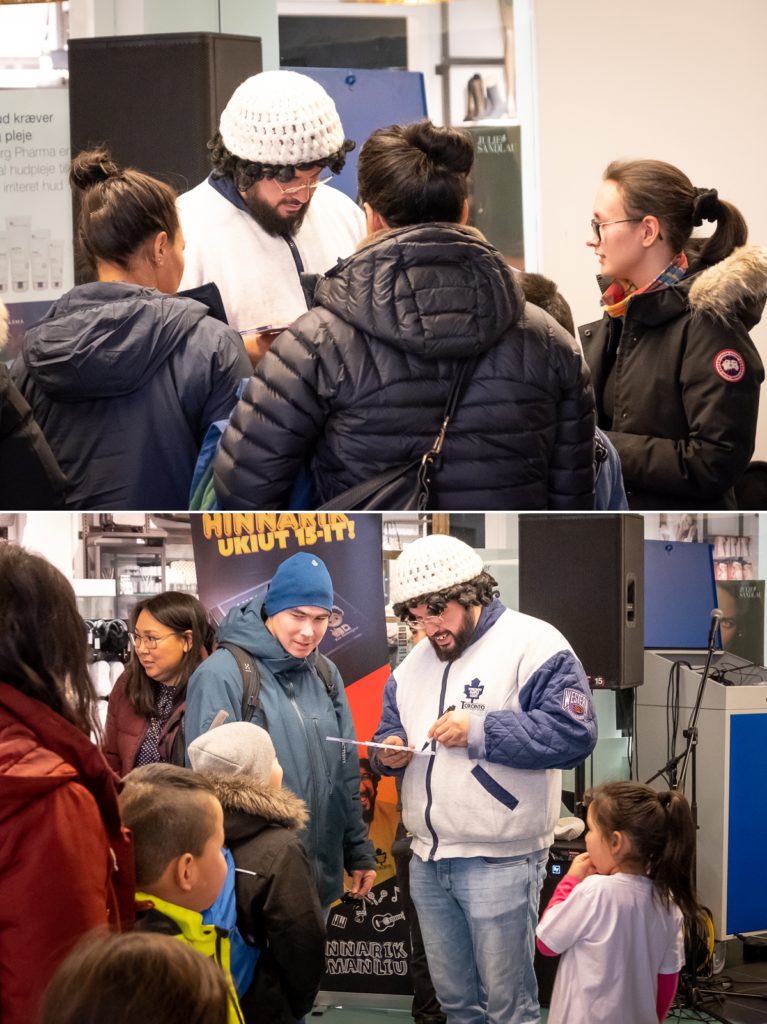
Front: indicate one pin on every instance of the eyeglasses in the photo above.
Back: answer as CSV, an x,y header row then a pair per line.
x,y
312,186
597,225
149,643
418,622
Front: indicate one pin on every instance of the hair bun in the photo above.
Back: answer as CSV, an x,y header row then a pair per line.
x,y
450,147
92,166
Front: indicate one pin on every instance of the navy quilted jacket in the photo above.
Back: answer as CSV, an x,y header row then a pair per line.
x,y
359,384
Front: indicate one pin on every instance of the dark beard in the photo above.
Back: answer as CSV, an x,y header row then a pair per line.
x,y
270,221
369,813
461,640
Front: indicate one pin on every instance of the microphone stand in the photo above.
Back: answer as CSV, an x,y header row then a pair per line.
x,y
677,781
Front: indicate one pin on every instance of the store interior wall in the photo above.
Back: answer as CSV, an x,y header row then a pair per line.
x,y
683,82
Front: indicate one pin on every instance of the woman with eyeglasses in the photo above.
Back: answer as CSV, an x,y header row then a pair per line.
x,y
66,863
675,372
123,376
170,636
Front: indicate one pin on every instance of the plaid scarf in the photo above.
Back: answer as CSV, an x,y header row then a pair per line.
x,y
618,295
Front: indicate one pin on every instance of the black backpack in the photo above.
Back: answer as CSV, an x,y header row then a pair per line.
x,y
251,688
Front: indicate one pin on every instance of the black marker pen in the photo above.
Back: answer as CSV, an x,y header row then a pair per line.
x,y
451,708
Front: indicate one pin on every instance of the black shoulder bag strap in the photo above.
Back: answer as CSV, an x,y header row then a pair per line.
x,y
430,461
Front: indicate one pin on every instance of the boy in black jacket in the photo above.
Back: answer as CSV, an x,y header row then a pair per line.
x,y
278,908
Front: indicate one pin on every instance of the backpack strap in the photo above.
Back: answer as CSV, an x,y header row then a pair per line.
x,y
251,679
324,669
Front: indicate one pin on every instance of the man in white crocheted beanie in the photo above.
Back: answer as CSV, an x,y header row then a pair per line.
x,y
478,723
433,572
265,214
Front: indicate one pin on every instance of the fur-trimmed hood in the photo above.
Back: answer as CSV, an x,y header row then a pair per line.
x,y
239,793
733,286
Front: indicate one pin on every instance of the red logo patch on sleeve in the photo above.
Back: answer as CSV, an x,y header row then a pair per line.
x,y
730,365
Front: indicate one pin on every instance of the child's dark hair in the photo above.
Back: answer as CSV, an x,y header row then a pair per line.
x,y
662,835
119,209
138,976
477,591
168,811
180,612
415,173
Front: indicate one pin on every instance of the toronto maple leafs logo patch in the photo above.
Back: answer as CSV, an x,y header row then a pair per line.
x,y
472,692
574,702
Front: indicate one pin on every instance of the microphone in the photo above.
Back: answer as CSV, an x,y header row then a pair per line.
x,y
716,616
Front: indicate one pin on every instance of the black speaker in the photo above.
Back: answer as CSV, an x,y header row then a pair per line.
x,y
156,100
585,575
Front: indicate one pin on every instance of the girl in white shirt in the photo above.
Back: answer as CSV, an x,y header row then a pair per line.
x,y
617,916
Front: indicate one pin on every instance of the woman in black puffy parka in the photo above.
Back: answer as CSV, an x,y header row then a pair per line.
x,y
358,385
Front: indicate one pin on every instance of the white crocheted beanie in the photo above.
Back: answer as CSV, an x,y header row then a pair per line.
x,y
432,564
281,118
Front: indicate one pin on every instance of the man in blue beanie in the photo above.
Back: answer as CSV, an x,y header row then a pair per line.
x,y
300,702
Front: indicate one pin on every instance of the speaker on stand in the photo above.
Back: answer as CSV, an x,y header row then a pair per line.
x,y
585,575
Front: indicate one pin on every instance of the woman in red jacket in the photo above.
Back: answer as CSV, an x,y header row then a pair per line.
x,y
170,636
65,861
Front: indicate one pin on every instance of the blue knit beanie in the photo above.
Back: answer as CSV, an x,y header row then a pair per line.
x,y
302,579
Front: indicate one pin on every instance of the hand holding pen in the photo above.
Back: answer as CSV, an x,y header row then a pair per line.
x,y
451,729
431,731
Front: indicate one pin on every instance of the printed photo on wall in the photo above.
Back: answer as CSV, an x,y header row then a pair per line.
x,y
742,628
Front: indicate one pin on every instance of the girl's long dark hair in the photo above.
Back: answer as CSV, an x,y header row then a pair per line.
x,y
662,835
43,639
180,613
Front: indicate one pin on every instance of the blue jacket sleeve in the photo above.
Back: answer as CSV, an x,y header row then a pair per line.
x,y
390,725
215,685
556,726
358,850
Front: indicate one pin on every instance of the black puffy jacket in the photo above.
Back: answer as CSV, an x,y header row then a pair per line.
x,y
686,383
359,385
124,381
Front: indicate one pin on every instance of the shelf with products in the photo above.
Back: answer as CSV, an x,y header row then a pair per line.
x,y
142,558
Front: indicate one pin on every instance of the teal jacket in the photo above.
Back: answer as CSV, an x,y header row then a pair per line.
x,y
299,714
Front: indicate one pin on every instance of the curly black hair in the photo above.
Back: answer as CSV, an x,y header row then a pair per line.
x,y
480,590
245,173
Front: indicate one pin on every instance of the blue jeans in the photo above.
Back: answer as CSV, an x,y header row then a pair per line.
x,y
478,918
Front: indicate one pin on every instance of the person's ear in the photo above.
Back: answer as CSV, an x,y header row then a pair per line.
x,y
374,220
651,231
160,245
464,218
188,637
184,872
